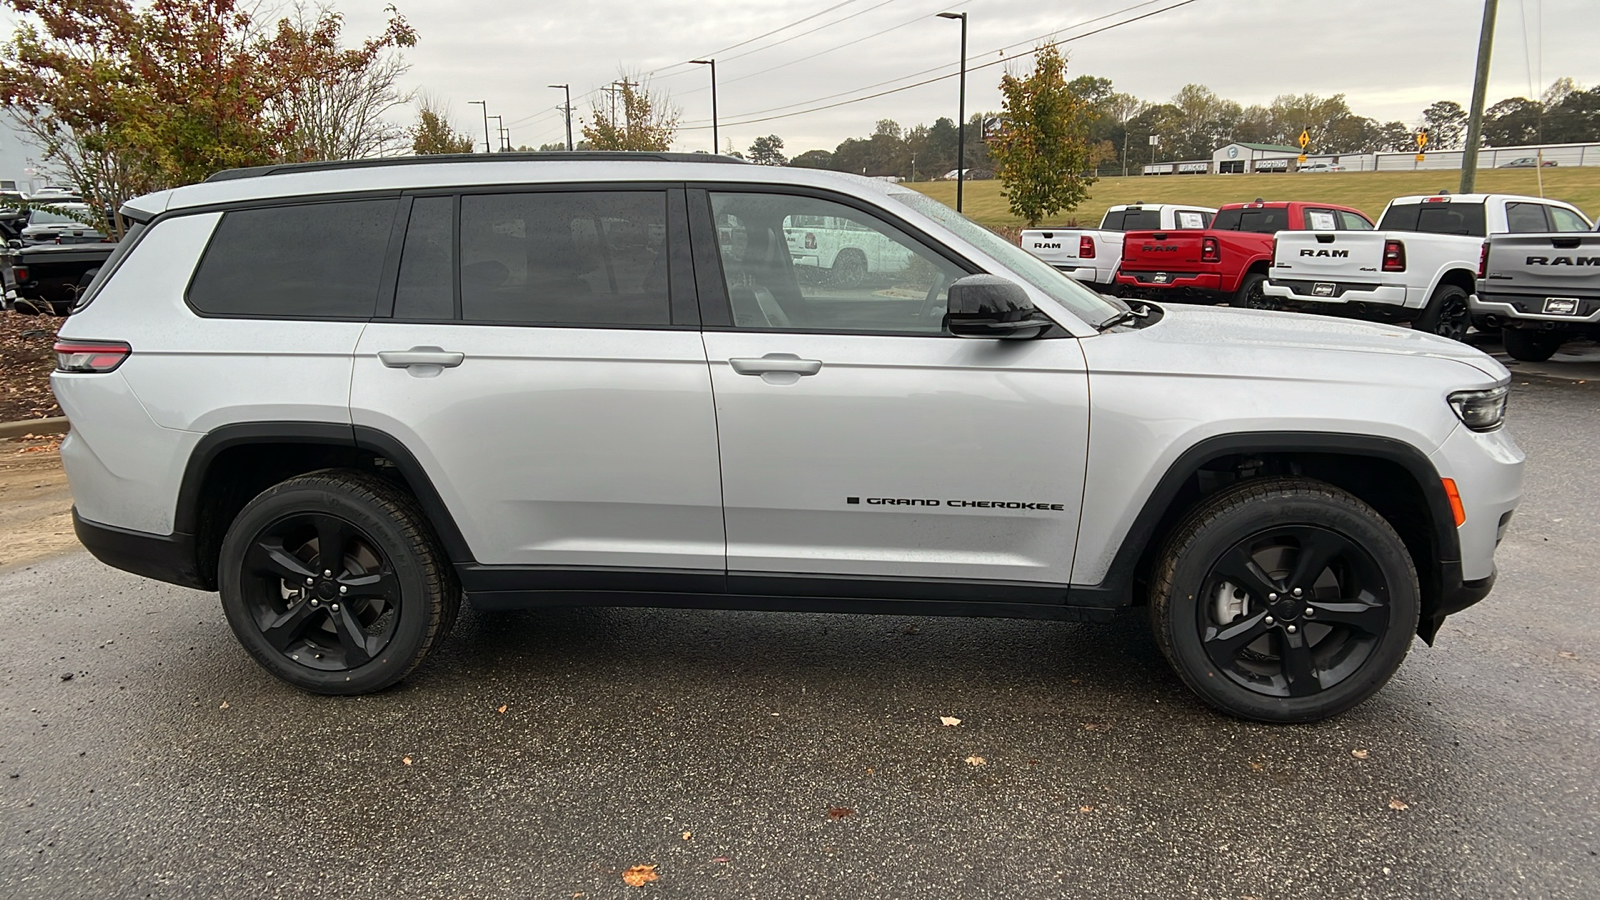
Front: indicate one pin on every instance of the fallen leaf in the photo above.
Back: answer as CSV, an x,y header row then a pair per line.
x,y
687,835
839,812
502,709
1359,754
719,859
1256,767
1093,726
406,760
1085,809
639,875
224,705
1567,654
952,721
1399,804
977,761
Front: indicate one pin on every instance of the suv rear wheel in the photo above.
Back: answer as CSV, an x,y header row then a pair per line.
x,y
334,583
1284,600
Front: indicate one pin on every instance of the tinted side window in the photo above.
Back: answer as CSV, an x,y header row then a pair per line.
x,y
426,289
315,260
1566,220
1260,221
565,258
1526,218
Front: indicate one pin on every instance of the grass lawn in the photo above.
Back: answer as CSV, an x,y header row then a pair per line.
x,y
1366,191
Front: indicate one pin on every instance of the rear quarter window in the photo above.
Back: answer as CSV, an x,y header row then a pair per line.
x,y
311,260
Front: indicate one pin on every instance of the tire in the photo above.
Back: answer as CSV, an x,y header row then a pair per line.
x,y
1250,295
1446,313
1530,346
308,627
1222,606
849,269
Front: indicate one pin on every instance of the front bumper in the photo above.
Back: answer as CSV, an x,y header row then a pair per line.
x,y
1304,291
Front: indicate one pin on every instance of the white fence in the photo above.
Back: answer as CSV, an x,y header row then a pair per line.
x,y
1488,158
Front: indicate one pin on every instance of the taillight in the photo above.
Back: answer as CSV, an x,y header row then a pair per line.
x,y
90,356
20,273
1394,256
1483,261
1210,250
811,241
1086,247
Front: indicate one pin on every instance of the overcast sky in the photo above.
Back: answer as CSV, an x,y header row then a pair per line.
x,y
1389,57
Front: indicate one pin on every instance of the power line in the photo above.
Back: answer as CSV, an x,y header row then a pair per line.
x,y
923,71
948,75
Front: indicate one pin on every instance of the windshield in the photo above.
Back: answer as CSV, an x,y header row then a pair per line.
x,y
1088,305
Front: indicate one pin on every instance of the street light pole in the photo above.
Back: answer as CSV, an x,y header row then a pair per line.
x,y
568,110
713,64
961,124
485,105
499,126
1480,87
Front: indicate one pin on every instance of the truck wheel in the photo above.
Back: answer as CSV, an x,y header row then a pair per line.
x,y
1446,313
1284,600
849,269
1530,346
334,583
1251,296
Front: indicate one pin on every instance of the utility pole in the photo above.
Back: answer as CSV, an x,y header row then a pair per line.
x,y
499,126
485,105
961,123
1480,87
568,110
713,64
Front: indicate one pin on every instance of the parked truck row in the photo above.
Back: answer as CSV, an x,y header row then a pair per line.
x,y
1526,266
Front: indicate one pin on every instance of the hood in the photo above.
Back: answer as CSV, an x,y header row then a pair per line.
x,y
1245,328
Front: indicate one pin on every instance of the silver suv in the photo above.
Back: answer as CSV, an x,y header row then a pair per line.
x,y
349,395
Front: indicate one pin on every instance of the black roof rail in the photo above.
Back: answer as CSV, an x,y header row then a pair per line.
x,y
540,156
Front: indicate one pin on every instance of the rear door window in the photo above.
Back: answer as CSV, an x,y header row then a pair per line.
x,y
426,286
1321,220
308,261
565,258
1191,219
1526,218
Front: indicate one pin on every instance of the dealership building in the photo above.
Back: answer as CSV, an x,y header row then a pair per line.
x,y
1239,158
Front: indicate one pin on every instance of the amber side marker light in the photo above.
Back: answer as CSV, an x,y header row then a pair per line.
x,y
1455,501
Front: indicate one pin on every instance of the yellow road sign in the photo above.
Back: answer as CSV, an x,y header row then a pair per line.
x,y
1301,158
1422,157
1422,139
1305,138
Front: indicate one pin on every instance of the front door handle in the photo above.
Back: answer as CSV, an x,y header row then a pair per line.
x,y
776,364
421,356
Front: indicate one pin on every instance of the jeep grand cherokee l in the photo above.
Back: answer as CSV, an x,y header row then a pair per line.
x,y
348,396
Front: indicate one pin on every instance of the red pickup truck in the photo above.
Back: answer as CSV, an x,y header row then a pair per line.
x,y
1227,262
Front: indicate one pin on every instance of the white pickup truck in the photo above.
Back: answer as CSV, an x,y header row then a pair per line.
x,y
1091,255
1420,264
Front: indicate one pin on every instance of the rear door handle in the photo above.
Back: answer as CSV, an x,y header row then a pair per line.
x,y
421,356
776,364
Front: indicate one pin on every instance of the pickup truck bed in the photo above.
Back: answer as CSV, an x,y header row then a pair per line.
x,y
1541,289
1091,255
49,277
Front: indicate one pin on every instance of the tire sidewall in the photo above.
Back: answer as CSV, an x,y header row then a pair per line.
x,y
410,640
1194,562
1434,315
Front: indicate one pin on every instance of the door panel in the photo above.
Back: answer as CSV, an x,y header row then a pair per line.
x,y
557,446
960,435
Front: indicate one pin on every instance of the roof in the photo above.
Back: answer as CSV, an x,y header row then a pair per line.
x,y
1276,148
396,174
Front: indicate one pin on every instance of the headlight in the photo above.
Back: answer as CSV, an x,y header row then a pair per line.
x,y
1481,410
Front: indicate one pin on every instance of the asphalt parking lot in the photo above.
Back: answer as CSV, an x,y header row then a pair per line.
x,y
546,754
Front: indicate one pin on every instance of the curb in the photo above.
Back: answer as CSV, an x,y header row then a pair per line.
x,y
53,425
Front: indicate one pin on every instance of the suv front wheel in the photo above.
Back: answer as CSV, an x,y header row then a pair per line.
x,y
334,583
1284,600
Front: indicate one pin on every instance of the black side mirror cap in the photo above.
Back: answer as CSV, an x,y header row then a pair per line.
x,y
988,306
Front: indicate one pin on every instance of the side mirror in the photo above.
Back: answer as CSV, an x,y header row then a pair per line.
x,y
988,306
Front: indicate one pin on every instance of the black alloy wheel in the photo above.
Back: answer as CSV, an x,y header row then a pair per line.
x,y
849,269
334,582
1446,314
321,591
1284,600
1293,610
1252,295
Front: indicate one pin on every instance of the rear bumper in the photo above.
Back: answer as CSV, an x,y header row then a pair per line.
x,y
169,557
1529,309
1167,281
1085,274
1303,291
